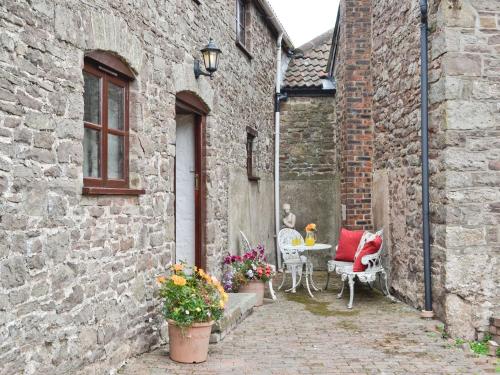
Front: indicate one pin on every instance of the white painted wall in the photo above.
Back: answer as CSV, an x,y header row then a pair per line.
x,y
184,189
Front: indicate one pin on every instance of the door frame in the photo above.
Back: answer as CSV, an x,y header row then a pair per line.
x,y
188,103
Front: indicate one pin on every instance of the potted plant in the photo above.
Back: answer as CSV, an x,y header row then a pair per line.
x,y
192,301
248,273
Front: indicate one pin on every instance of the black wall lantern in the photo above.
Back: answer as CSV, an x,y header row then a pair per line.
x,y
210,59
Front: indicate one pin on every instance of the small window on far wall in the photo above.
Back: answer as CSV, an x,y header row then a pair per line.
x,y
240,21
105,121
252,154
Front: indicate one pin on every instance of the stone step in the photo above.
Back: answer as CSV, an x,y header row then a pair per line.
x,y
238,307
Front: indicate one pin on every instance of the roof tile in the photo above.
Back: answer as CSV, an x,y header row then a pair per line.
x,y
310,70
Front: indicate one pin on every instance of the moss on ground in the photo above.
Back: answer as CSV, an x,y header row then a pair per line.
x,y
317,307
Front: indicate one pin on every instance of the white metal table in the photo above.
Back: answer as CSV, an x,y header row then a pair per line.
x,y
309,266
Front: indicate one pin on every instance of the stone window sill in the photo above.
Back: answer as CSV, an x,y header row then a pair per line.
x,y
111,191
242,47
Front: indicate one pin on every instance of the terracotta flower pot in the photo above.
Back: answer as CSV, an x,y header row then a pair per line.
x,y
189,344
257,287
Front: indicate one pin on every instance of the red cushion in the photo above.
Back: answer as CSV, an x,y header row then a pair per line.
x,y
370,247
348,244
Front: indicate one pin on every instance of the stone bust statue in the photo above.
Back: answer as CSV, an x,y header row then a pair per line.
x,y
289,218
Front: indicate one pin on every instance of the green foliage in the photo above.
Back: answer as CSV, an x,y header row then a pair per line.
x,y
440,328
479,347
192,298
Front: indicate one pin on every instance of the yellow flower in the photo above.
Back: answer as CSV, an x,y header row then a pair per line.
x,y
178,267
225,297
221,304
161,279
178,280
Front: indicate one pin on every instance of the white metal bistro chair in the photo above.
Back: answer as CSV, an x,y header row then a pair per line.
x,y
369,275
247,247
293,261
244,243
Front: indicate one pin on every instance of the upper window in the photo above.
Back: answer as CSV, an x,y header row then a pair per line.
x,y
240,21
252,154
105,119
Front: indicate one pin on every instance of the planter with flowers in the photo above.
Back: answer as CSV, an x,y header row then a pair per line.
x,y
248,273
192,302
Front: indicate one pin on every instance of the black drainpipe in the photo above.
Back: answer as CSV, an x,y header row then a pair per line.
x,y
424,113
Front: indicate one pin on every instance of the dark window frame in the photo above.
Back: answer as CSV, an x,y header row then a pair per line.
x,y
241,19
114,73
251,140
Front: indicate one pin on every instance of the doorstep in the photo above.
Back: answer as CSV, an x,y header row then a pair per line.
x,y
238,307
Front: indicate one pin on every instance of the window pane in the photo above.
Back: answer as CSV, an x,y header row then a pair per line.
x,y
240,21
92,98
115,156
241,35
92,153
241,12
115,106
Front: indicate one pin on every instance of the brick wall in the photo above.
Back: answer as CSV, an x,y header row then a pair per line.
x,y
354,103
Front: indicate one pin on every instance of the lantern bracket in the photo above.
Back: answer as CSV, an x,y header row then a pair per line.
x,y
198,71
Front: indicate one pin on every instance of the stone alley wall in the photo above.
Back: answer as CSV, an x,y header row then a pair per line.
x,y
77,272
465,99
464,154
464,38
309,177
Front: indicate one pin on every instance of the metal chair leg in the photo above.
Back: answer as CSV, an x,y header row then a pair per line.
x,y
339,296
351,291
387,292
327,279
271,290
283,280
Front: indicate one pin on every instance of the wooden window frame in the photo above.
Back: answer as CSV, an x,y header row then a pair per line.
x,y
242,23
252,135
116,73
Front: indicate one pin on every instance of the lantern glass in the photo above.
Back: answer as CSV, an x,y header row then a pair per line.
x,y
211,57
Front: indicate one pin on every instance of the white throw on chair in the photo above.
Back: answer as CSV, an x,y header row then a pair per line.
x,y
293,261
247,247
369,275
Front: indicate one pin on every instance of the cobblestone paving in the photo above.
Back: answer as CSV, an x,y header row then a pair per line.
x,y
297,335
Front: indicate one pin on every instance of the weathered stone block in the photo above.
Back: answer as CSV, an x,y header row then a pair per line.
x,y
39,121
468,115
459,317
13,272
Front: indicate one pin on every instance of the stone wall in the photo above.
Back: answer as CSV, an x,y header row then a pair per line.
x,y
309,177
465,98
464,151
77,272
464,60
396,162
